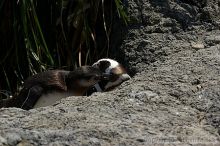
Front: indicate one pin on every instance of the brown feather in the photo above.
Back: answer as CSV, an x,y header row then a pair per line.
x,y
49,79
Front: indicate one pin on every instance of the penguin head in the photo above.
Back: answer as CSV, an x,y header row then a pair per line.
x,y
114,71
86,76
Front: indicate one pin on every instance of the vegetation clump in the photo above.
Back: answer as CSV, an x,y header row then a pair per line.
x,y
36,35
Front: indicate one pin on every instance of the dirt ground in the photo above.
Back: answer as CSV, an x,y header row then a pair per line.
x,y
172,48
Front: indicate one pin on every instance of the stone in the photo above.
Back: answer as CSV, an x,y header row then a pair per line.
x,y
159,105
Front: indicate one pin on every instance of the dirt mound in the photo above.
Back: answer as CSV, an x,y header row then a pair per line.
x,y
173,46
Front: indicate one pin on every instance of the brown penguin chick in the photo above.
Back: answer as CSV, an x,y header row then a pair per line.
x,y
46,88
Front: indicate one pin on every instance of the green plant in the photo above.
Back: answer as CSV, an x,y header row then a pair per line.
x,y
36,35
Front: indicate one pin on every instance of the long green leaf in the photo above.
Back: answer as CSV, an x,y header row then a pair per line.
x,y
1,4
47,52
121,11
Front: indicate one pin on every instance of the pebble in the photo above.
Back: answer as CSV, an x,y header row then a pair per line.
x,y
3,141
198,46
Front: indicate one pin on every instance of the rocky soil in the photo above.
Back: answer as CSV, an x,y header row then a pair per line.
x,y
173,47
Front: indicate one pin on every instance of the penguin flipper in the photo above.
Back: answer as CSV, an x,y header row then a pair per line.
x,y
30,98
5,103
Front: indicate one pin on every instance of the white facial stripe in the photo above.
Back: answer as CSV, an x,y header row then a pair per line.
x,y
112,62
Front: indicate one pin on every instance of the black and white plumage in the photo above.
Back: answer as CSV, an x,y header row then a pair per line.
x,y
46,88
115,70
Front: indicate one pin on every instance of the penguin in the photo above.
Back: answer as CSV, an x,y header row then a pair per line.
x,y
46,88
116,72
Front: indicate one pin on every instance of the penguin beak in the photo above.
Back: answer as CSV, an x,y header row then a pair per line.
x,y
112,84
125,77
